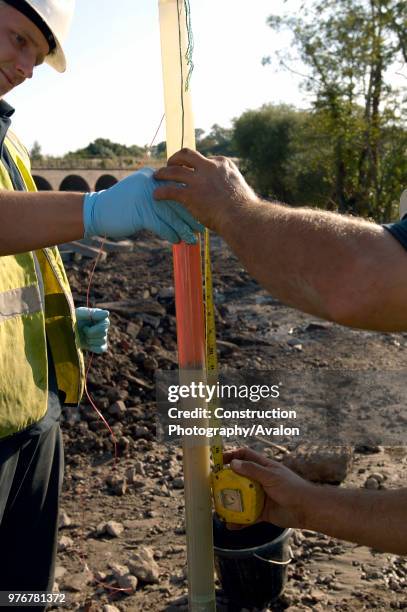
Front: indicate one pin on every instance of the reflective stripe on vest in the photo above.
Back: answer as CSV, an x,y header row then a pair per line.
x,y
24,324
16,302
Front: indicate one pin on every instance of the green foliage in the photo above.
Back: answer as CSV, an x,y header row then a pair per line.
x,y
159,150
217,142
282,155
348,48
103,148
35,153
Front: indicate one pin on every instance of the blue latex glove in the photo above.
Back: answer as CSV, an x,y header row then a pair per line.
x,y
93,325
129,206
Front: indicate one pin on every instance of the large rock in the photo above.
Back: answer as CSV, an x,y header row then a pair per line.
x,y
114,528
118,570
143,566
77,582
320,463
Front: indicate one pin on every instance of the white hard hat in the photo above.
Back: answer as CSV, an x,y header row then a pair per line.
x,y
53,17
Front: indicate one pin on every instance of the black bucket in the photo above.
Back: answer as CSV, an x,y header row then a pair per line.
x,y
251,563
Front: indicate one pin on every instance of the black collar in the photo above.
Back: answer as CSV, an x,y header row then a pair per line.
x,y
5,110
5,119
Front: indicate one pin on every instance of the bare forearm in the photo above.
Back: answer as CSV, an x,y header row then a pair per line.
x,y
326,264
339,268
371,518
30,221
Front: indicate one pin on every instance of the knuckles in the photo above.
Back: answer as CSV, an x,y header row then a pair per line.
x,y
186,151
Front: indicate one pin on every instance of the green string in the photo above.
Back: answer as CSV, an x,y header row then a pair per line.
x,y
188,56
190,48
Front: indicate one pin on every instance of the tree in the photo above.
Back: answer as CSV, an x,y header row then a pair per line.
x,y
283,155
35,153
217,142
105,148
160,149
347,47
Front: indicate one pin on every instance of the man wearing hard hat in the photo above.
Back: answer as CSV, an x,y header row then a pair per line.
x,y
41,363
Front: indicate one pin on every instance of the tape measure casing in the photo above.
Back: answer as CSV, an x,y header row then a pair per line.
x,y
237,499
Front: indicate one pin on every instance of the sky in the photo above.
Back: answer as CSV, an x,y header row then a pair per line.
x,y
113,85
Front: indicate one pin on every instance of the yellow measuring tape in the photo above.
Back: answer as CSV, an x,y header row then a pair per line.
x,y
237,498
211,354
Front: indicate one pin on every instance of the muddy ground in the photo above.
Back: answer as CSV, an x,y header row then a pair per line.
x,y
143,492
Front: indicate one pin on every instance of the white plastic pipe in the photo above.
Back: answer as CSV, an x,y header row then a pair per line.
x,y
190,324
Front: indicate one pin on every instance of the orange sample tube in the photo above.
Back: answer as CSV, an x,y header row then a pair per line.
x,y
190,319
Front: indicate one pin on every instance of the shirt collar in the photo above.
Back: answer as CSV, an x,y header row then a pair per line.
x,y
5,110
5,119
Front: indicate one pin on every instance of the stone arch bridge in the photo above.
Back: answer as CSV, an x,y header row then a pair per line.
x,y
83,179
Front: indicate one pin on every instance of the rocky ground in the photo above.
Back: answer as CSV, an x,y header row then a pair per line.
x,y
122,538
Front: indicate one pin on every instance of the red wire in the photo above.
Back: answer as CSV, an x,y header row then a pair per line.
x,y
92,403
107,587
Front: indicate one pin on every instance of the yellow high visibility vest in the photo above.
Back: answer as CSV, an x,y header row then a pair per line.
x,y
25,321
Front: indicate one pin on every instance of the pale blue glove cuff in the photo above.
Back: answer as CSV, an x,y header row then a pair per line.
x,y
88,214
